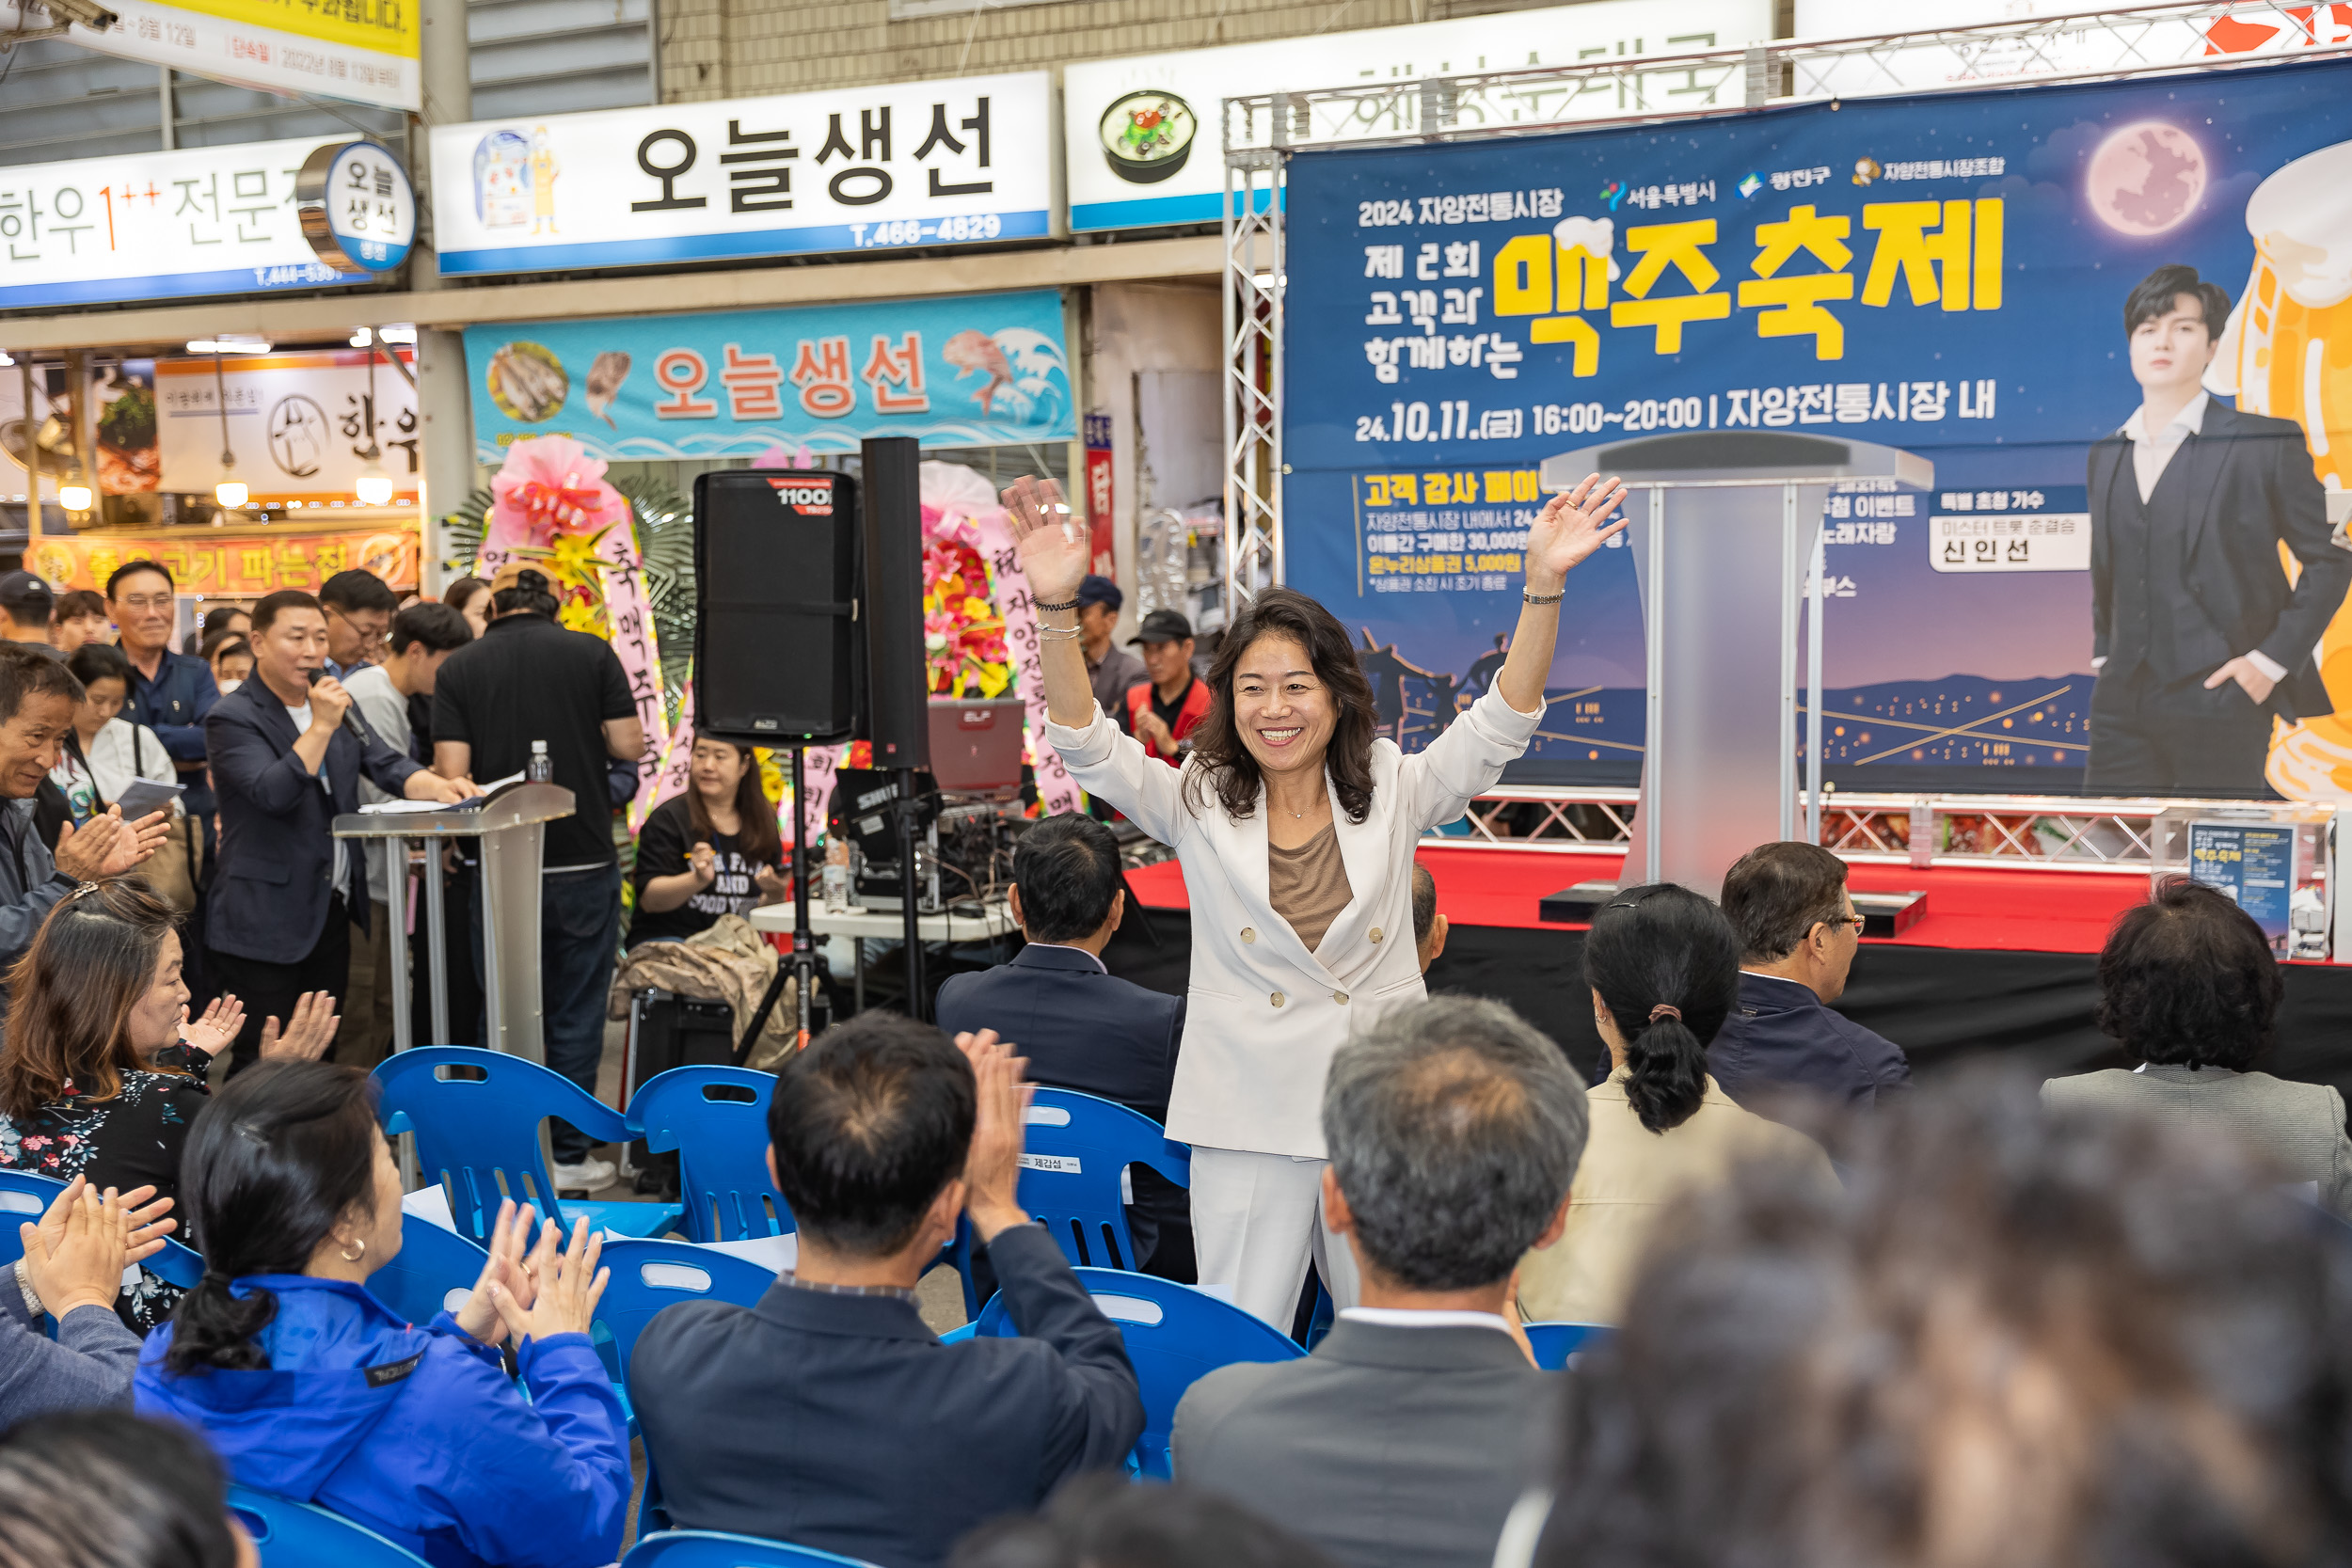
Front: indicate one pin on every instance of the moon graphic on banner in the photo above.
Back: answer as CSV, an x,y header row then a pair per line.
x,y
2146,178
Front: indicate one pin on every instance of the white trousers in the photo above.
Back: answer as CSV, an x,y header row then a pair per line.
x,y
1257,1220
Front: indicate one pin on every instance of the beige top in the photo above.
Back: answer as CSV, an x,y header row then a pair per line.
x,y
1628,1177
1308,886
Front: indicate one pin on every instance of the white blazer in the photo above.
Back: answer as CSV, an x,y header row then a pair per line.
x,y
1263,1015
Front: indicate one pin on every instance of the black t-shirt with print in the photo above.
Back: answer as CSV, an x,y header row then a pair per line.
x,y
661,850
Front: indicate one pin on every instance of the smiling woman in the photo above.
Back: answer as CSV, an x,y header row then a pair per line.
x,y
1296,826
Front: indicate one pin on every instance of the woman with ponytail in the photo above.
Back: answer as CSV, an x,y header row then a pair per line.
x,y
1663,967
308,1387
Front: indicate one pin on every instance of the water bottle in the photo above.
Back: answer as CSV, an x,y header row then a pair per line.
x,y
541,768
837,877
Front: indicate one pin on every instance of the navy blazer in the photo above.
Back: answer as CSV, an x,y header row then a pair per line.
x,y
1781,1039
270,892
1080,1028
2250,488
841,1422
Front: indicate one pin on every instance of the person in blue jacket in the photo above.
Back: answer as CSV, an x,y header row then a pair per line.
x,y
308,1387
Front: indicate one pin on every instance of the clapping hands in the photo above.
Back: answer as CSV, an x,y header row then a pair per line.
x,y
307,1035
75,1255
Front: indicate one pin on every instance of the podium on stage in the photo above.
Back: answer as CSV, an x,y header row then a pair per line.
x,y
510,823
1724,524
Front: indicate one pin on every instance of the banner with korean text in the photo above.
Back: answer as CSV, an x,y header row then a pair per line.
x,y
234,564
361,51
960,370
1947,274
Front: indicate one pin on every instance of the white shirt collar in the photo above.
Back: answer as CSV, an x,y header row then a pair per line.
x,y
1065,948
1413,1316
2190,418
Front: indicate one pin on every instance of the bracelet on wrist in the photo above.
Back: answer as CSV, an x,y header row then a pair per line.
x,y
1526,597
1047,604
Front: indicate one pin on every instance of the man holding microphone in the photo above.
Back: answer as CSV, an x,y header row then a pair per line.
x,y
285,763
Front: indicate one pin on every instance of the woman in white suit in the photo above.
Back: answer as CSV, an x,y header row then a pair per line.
x,y
1296,829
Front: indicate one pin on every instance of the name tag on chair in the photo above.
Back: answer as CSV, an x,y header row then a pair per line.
x,y
1063,1164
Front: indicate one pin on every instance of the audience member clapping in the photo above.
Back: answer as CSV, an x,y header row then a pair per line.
x,y
1663,968
1107,1522
103,1489
101,1074
828,1416
1783,1046
2188,985
69,1272
1454,1129
2012,1341
310,1388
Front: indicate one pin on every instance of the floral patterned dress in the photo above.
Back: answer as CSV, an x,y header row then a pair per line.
x,y
130,1139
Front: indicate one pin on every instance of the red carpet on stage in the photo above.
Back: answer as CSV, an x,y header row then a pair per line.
x,y
2022,910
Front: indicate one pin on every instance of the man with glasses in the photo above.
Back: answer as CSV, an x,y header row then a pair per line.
x,y
359,610
170,692
1798,936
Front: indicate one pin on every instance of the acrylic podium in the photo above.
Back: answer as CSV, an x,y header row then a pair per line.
x,y
511,824
1725,527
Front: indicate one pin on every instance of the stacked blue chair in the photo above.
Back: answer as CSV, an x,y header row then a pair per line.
x,y
25,1197
716,1117
648,1275
1554,1343
1174,1334
293,1534
707,1548
434,1271
1077,1146
476,1117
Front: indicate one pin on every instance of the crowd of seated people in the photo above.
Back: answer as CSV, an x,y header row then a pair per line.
x,y
2095,1321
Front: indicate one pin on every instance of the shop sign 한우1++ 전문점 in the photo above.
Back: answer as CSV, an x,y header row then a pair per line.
x,y
953,371
864,169
1946,274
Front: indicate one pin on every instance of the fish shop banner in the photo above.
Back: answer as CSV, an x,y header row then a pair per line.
x,y
960,370
1944,275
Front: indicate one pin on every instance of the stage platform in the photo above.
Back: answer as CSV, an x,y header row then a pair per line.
x,y
1999,961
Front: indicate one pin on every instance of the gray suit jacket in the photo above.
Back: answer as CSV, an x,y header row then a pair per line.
x,y
1389,1446
2299,1126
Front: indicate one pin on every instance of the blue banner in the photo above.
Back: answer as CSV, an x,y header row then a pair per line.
x,y
963,370
1946,274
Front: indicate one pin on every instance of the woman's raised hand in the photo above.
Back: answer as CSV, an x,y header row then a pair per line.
x,y
311,1031
569,1286
1054,550
1569,529
509,1239
216,1030
77,1255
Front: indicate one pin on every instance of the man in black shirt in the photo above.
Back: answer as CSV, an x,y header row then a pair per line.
x,y
527,680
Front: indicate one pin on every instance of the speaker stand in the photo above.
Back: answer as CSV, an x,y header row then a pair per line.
x,y
910,835
803,967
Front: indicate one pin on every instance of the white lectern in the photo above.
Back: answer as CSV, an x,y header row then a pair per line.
x,y
1719,766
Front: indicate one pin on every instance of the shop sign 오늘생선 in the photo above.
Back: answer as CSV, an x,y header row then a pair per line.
x,y
954,161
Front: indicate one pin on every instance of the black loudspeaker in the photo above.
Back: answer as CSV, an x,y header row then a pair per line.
x,y
899,685
778,660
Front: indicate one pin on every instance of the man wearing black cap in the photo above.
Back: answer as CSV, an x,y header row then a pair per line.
x,y
1111,671
1162,712
27,601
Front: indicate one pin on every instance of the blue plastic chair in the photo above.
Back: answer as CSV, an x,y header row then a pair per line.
x,y
1175,1334
478,1136
1554,1343
710,1548
25,1197
433,1272
648,1275
716,1117
293,1534
1076,1148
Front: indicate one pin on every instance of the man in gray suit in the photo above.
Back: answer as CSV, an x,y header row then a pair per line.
x,y
1454,1128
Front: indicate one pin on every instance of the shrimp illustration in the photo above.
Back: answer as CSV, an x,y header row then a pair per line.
x,y
977,351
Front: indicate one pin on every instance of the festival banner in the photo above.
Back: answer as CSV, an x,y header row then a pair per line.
x,y
232,564
361,51
1944,275
959,371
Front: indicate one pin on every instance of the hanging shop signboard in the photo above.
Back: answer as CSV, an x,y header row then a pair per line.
x,y
229,563
358,212
876,168
2062,47
361,51
955,371
143,226
297,422
1144,146
1946,274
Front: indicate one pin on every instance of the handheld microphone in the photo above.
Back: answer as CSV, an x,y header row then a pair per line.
x,y
352,721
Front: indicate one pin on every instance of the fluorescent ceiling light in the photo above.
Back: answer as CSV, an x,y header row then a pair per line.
x,y
229,345
398,334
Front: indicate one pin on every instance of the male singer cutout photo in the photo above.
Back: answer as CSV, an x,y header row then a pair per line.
x,y
2198,638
